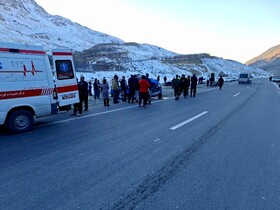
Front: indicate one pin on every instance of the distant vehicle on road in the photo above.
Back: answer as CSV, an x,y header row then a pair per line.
x,y
245,78
275,79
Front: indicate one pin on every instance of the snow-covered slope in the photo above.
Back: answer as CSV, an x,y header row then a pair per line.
x,y
25,21
232,68
143,58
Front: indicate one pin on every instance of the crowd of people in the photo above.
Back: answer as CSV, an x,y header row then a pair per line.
x,y
136,89
182,84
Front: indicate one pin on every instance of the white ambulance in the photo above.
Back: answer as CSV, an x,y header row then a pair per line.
x,y
29,88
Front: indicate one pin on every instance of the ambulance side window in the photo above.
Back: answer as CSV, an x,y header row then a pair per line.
x,y
64,69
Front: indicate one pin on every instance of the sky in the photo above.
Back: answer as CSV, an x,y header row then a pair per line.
x,y
232,29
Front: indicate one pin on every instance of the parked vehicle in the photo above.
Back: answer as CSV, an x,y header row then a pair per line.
x,y
245,78
156,89
29,88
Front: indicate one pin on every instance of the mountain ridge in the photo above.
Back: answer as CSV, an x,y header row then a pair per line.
x,y
269,60
25,21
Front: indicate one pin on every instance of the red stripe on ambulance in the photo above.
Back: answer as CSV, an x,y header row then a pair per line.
x,y
36,92
39,52
20,94
65,89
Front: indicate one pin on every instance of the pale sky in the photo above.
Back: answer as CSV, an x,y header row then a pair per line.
x,y
232,29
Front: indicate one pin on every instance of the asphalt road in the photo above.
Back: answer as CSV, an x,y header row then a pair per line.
x,y
219,150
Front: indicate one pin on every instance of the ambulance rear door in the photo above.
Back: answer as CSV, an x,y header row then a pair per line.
x,y
65,77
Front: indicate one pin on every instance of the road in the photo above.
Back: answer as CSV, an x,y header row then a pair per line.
x,y
218,150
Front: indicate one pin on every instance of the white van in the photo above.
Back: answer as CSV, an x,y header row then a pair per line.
x,y
245,78
28,87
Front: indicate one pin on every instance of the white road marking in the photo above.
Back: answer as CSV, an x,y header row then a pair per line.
x,y
110,111
276,85
188,121
236,94
86,116
157,140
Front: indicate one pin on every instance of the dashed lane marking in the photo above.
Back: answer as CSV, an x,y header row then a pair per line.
x,y
188,121
236,94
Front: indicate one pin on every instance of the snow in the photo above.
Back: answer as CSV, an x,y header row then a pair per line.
x,y
24,21
27,22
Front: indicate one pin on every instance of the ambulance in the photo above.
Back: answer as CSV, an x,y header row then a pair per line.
x,y
30,88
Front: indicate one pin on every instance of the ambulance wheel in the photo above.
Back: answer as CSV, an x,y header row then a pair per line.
x,y
20,121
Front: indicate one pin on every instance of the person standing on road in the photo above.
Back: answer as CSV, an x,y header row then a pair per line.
x,y
220,82
89,90
78,107
184,85
84,92
188,84
123,88
96,89
132,83
115,88
177,84
105,92
193,85
144,90
149,90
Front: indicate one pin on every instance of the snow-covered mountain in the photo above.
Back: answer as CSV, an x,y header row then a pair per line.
x,y
24,21
143,58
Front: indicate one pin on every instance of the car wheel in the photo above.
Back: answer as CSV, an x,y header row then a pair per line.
x,y
20,121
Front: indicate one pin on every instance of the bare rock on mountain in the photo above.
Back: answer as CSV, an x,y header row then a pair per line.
x,y
269,60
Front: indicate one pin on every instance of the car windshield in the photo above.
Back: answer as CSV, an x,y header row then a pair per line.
x,y
243,75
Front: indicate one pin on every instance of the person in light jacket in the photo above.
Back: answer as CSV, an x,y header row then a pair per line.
x,y
105,92
115,88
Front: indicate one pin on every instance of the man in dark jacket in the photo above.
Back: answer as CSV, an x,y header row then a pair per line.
x,y
123,88
84,92
193,85
185,85
177,87
132,85
220,82
96,89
